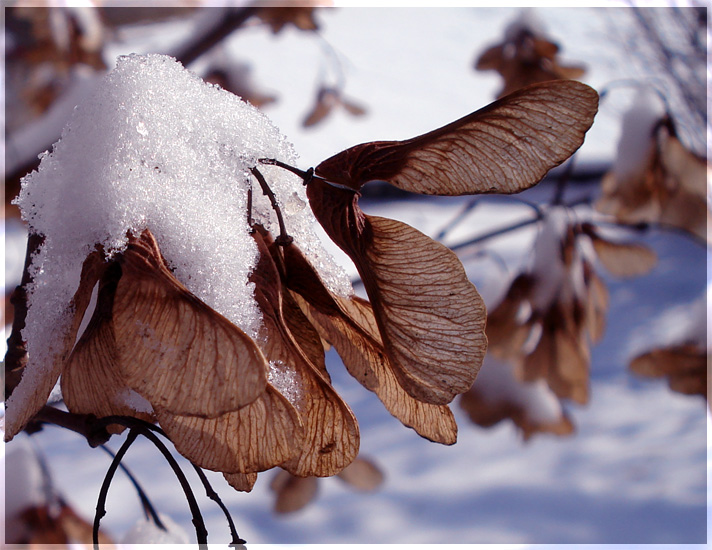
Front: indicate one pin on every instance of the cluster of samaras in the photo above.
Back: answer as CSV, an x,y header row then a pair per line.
x,y
239,405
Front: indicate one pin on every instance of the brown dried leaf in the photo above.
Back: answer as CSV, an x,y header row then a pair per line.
x,y
685,366
571,72
570,376
544,48
431,317
174,350
91,380
48,526
241,482
353,108
490,58
331,432
322,108
349,325
669,188
505,147
293,493
302,16
506,331
362,474
561,357
303,332
596,305
537,364
524,58
79,530
365,359
684,168
327,99
624,259
486,412
237,80
258,436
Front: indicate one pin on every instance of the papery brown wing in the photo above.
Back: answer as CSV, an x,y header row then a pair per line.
x,y
505,147
352,108
570,378
331,437
686,367
687,170
430,315
350,326
536,365
241,482
173,349
366,360
596,305
487,410
318,113
33,391
91,381
490,59
545,48
293,493
561,357
507,332
362,474
570,72
261,435
624,259
302,331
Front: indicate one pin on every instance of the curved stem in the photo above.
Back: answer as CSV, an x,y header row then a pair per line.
x,y
472,203
101,501
305,175
283,237
646,226
147,430
496,233
201,532
212,495
232,20
149,510
250,221
469,207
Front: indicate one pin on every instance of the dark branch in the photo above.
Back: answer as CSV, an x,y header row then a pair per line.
x,y
149,510
101,501
212,495
283,238
234,19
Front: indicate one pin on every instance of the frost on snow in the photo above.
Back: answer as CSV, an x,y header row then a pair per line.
x,y
156,147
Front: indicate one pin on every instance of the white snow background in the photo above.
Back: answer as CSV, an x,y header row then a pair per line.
x,y
635,471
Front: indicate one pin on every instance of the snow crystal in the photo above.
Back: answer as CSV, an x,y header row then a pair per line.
x,y
156,147
133,400
548,266
284,379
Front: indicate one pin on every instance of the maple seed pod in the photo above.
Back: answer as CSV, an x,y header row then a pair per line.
x,y
429,316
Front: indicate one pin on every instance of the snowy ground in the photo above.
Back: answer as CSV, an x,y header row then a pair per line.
x,y
635,472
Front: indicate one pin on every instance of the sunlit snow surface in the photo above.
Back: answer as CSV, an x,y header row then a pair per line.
x,y
636,469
